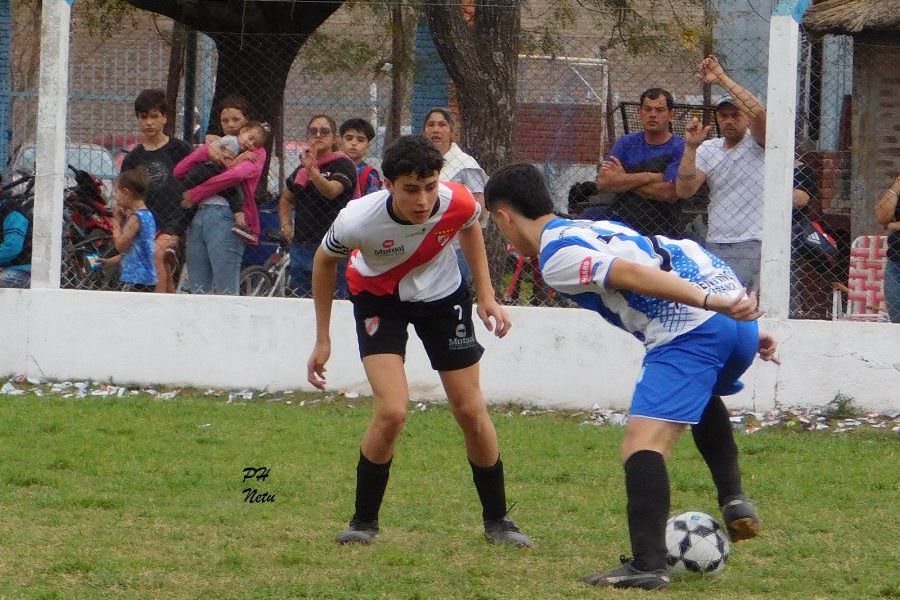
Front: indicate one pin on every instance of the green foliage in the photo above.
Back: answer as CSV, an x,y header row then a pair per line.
x,y
842,407
640,30
326,54
122,502
97,17
102,17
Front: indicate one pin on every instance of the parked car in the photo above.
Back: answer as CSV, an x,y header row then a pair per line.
x,y
92,158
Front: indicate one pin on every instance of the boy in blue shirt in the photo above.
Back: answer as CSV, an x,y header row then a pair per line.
x,y
641,170
134,231
356,135
697,323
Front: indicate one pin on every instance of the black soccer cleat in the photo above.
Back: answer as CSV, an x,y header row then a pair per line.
x,y
504,531
358,532
627,575
740,518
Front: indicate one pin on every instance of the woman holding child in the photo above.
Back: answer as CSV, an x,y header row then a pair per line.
x,y
316,192
221,177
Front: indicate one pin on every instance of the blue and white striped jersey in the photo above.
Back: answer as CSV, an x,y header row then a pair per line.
x,y
575,260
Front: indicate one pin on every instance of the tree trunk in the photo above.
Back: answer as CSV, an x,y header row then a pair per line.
x,y
483,59
176,62
403,27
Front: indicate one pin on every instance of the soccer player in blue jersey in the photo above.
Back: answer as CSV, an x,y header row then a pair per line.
x,y
698,324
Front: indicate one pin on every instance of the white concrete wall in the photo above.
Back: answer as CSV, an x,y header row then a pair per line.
x,y
552,357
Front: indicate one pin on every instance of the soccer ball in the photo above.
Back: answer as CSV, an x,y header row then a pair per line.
x,y
696,543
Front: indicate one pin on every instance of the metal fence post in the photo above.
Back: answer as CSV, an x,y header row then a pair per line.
x,y
50,164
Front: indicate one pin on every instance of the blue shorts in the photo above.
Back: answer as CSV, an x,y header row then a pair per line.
x,y
679,378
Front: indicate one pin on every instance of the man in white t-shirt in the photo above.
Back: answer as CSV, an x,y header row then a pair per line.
x,y
733,167
403,272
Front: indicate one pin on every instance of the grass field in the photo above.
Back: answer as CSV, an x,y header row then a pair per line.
x,y
139,498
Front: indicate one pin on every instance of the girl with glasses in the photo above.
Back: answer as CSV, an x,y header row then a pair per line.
x,y
313,196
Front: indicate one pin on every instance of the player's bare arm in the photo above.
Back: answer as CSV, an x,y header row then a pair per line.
x,y
324,281
711,71
625,275
494,316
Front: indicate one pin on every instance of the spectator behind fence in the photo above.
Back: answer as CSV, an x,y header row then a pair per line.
x,y
732,166
888,214
641,169
214,250
459,167
15,243
242,147
234,114
316,192
134,231
811,268
159,154
356,135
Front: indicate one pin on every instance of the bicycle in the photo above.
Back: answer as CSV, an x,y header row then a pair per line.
x,y
270,278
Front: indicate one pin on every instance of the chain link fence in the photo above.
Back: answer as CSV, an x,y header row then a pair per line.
x,y
606,151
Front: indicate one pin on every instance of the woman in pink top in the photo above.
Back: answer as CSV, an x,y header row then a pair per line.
x,y
214,251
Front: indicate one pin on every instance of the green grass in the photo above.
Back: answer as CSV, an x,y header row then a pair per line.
x,y
136,498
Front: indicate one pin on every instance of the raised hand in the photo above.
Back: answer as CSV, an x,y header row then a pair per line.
x,y
695,133
710,71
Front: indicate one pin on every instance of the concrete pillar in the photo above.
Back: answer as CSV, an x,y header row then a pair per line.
x,y
50,181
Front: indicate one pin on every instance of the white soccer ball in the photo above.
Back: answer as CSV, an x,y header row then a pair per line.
x,y
696,543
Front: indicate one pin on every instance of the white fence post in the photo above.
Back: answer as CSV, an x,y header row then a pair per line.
x,y
50,164
775,273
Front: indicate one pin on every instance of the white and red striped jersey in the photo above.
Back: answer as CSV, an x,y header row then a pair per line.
x,y
390,256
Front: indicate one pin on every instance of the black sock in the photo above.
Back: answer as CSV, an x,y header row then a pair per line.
x,y
371,481
715,440
491,490
647,487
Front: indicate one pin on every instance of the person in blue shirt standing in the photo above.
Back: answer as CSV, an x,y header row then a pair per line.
x,y
698,325
15,244
641,170
134,231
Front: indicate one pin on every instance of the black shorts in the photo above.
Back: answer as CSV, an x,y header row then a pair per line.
x,y
444,326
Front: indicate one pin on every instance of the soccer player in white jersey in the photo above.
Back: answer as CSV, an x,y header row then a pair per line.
x,y
698,325
403,270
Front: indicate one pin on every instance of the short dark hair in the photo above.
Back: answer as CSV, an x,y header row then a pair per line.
x,y
149,99
444,112
237,103
135,180
522,187
358,124
411,155
654,93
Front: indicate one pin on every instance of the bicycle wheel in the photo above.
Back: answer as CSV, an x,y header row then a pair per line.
x,y
255,281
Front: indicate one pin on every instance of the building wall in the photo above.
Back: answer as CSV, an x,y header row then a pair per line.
x,y
875,126
552,357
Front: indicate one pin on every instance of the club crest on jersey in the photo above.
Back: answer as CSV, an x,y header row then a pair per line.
x,y
585,271
371,324
444,236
